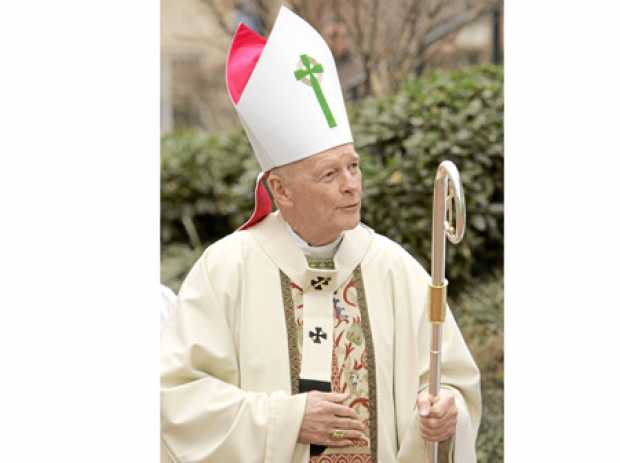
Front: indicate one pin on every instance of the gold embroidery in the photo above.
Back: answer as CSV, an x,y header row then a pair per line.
x,y
293,316
291,331
319,263
372,390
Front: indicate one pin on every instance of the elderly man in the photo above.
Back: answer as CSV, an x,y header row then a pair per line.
x,y
303,337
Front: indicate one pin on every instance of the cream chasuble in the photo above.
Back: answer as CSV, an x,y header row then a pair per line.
x,y
235,351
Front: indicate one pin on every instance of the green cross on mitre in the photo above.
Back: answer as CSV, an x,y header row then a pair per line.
x,y
309,70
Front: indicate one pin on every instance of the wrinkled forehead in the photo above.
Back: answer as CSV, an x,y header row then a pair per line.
x,y
313,164
333,155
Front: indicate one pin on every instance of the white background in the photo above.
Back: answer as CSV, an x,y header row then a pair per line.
x,y
562,231
79,232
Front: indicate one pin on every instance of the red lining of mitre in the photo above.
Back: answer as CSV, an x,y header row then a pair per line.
x,y
262,204
244,53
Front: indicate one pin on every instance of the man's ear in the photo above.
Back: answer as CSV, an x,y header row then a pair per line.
x,y
279,190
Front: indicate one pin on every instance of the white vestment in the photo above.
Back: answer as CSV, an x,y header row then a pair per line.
x,y
168,304
227,366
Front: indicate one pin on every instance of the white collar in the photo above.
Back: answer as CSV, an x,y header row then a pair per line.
x,y
326,251
272,236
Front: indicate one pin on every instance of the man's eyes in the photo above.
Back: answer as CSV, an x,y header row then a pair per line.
x,y
332,173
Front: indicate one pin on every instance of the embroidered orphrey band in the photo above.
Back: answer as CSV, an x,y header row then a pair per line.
x,y
358,283
291,331
295,360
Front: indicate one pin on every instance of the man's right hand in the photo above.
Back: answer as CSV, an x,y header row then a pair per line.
x,y
325,414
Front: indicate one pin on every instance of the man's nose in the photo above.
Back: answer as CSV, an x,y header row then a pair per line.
x,y
351,183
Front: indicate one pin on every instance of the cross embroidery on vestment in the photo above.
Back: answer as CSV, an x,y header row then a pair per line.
x,y
318,333
319,282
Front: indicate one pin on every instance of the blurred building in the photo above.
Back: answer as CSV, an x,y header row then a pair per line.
x,y
480,41
193,50
195,35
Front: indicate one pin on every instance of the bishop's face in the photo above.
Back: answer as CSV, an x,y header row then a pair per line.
x,y
326,195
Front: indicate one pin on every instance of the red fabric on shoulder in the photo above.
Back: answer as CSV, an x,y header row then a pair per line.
x,y
262,204
243,55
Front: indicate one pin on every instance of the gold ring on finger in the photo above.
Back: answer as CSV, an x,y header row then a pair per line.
x,y
337,435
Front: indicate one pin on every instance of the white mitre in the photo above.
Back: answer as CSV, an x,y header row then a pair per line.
x,y
287,94
290,104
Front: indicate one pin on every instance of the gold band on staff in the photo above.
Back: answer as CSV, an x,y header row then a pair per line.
x,y
438,302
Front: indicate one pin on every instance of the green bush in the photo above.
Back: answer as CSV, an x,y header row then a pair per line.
x,y
207,182
177,259
480,315
456,116
207,186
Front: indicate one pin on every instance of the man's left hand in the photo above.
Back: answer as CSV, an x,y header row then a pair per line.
x,y
437,415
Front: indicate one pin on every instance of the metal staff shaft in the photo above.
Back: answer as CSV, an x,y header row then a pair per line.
x,y
448,190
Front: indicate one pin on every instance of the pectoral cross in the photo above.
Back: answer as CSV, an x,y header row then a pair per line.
x,y
307,74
